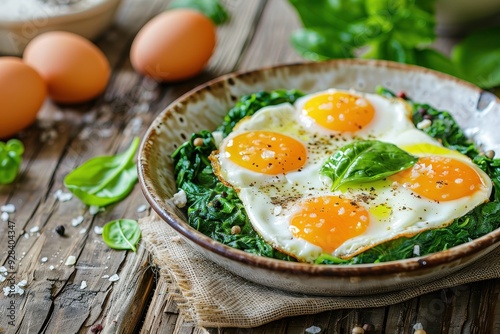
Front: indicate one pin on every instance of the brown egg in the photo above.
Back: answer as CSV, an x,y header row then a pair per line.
x,y
174,45
74,69
22,92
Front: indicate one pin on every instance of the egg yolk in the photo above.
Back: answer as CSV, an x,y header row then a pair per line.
x,y
266,152
329,221
440,178
340,111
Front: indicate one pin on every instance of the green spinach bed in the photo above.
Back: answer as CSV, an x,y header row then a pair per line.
x,y
214,209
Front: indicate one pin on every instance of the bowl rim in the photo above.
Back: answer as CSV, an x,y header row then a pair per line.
x,y
391,267
77,15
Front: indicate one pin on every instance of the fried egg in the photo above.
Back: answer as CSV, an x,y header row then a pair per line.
x,y
273,159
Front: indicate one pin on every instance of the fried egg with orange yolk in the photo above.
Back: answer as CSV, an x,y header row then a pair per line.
x,y
273,159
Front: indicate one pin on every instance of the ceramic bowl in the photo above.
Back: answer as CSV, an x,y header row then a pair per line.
x,y
204,108
89,21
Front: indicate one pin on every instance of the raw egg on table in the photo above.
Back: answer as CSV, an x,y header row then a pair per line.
x,y
22,92
274,159
175,45
74,69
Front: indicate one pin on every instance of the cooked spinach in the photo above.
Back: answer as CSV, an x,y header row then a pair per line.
x,y
215,209
365,161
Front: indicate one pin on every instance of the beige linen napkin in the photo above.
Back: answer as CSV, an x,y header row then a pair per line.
x,y
210,296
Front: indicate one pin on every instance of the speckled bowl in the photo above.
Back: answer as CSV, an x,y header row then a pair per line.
x,y
204,108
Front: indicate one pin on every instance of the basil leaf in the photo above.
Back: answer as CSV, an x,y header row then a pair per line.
x,y
365,161
477,55
121,234
211,8
104,180
11,157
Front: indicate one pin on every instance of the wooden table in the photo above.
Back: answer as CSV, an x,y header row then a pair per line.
x,y
65,136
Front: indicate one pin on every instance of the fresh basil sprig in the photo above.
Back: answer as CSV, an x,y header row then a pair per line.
x,y
365,161
104,180
121,234
11,154
397,30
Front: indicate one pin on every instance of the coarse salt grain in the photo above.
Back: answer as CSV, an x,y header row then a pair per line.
x,y
34,229
424,124
416,250
44,259
77,221
6,291
71,260
313,330
51,267
142,208
4,216
3,269
63,196
9,208
114,278
94,209
83,285
98,230
180,199
2,278
105,276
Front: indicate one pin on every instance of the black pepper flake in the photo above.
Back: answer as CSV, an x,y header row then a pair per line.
x,y
60,230
217,204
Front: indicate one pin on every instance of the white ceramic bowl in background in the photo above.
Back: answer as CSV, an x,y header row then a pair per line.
x,y
205,107
88,21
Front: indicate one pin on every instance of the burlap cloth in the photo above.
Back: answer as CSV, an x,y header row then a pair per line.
x,y
210,296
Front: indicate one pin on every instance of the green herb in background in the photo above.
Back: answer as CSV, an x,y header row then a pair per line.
x,y
365,161
104,180
11,154
211,8
121,234
397,30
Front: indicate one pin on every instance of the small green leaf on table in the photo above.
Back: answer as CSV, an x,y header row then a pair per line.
x,y
122,234
11,154
104,180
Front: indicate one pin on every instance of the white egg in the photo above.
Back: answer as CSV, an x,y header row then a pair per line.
x,y
273,159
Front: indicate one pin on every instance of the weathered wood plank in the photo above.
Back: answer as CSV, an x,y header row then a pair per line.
x,y
54,301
